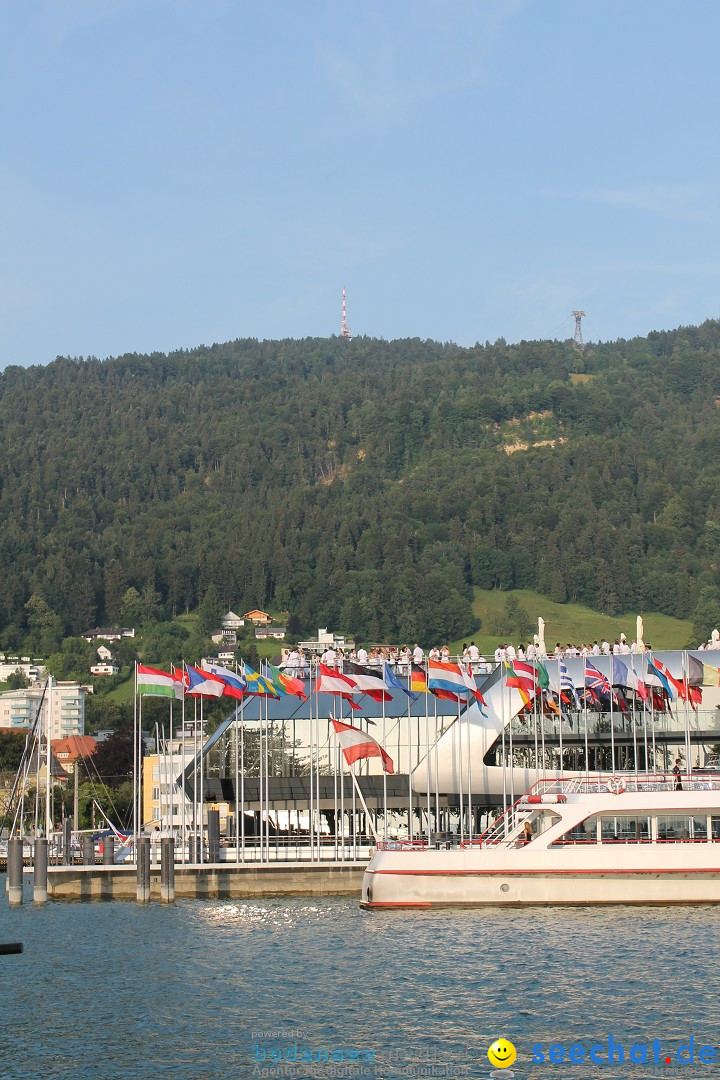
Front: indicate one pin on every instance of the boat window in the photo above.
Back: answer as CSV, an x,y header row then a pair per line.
x,y
619,828
715,826
544,821
584,833
682,828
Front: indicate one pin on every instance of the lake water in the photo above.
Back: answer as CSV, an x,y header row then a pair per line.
x,y
206,989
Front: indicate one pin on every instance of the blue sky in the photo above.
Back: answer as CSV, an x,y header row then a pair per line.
x,y
177,172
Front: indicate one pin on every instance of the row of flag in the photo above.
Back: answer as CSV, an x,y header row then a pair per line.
x,y
656,687
445,680
216,681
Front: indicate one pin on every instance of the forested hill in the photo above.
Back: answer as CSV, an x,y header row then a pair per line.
x,y
364,485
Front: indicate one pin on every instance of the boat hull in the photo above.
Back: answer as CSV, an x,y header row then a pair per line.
x,y
402,882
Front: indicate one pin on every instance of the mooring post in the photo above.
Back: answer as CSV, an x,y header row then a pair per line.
x,y
143,869
40,870
15,870
213,830
167,869
88,851
67,841
108,850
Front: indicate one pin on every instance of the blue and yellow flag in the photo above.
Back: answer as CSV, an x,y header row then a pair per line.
x,y
258,685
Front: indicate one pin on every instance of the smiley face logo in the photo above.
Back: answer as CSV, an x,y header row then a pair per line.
x,y
502,1053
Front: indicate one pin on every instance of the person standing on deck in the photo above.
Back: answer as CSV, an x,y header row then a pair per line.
x,y
677,773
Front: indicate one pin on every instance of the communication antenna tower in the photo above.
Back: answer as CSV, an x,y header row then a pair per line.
x,y
345,329
577,337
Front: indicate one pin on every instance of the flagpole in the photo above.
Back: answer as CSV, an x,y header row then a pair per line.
x,y
652,719
139,783
135,761
503,675
438,736
459,772
201,804
237,780
318,831
242,770
342,799
385,814
469,762
354,804
311,818
409,750
510,740
335,798
645,734
688,746
585,697
267,779
634,728
560,725
371,824
612,720
536,695
195,784
183,796
427,762
161,769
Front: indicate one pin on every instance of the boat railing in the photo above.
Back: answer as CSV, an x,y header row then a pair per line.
x,y
502,827
623,781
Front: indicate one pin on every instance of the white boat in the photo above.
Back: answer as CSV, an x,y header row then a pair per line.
x,y
587,840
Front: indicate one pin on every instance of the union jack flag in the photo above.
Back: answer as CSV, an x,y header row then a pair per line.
x,y
596,681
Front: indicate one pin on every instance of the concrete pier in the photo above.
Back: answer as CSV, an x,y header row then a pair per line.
x,y
15,871
40,870
108,855
222,882
167,870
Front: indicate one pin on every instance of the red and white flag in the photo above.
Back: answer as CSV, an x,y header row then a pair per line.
x,y
368,681
180,681
469,680
330,681
356,745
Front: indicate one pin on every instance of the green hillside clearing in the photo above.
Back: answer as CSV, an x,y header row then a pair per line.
x,y
568,622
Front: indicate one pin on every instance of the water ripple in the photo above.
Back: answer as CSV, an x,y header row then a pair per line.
x,y
127,991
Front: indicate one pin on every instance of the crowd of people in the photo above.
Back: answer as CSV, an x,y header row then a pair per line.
x,y
401,659
536,650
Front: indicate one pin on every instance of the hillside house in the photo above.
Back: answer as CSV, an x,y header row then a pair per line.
x,y
231,621
258,618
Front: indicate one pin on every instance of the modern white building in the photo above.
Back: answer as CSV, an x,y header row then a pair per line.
x,y
66,702
326,639
32,670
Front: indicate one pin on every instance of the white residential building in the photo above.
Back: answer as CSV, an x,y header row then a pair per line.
x,y
31,670
231,621
66,702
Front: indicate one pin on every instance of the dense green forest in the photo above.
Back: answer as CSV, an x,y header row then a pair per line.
x,y
365,484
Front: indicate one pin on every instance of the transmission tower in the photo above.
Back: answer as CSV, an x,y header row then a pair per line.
x,y
345,329
577,337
